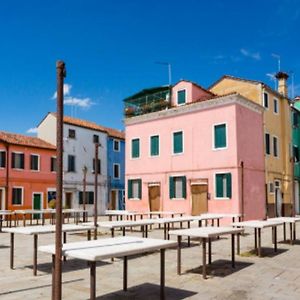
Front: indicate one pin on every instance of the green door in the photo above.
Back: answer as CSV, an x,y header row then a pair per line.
x,y
36,204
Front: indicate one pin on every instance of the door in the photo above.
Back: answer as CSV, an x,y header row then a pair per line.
x,y
297,200
1,199
113,200
278,199
68,203
37,204
154,197
199,199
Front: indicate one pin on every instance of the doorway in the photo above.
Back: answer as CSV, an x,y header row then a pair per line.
x,y
154,197
37,204
278,199
68,203
113,200
199,199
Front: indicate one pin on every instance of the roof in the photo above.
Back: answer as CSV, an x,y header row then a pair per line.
x,y
197,85
148,91
23,140
245,80
91,125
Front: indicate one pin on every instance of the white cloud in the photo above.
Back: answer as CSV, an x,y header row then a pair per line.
x,y
67,90
32,130
253,55
80,102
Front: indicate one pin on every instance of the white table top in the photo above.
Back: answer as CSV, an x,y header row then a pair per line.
x,y
73,210
30,230
118,224
286,219
28,211
206,232
207,217
221,215
257,224
172,220
111,247
6,212
165,213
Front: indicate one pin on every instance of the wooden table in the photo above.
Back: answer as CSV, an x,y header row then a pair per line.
x,y
97,250
30,212
258,225
35,231
206,234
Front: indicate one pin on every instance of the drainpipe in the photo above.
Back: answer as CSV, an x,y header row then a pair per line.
x,y
7,176
242,210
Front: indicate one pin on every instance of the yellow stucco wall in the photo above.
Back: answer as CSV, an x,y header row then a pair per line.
x,y
275,124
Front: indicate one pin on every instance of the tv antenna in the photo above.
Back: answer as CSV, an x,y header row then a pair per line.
x,y
169,69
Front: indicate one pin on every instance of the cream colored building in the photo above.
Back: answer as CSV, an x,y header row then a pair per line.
x,y
277,136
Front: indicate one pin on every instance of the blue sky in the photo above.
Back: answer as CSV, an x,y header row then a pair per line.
x,y
110,49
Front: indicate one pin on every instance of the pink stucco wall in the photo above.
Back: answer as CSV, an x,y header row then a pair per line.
x,y
199,160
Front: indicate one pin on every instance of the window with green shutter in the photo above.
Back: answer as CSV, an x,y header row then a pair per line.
x,y
154,145
267,143
177,187
181,97
177,142
135,189
89,198
223,184
135,148
220,136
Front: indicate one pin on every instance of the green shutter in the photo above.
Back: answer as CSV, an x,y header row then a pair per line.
x,y
219,186
135,148
183,178
220,136
140,188
171,187
228,185
154,145
181,97
177,142
129,189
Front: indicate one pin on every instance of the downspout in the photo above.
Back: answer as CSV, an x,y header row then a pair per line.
x,y
242,211
7,175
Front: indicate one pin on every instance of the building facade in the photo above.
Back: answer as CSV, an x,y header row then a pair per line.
x,y
277,137
202,154
27,172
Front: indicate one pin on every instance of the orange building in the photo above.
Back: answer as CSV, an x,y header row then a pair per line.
x,y
27,172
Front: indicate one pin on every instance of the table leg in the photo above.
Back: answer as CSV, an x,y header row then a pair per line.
x,y
238,250
199,223
209,251
232,251
162,274
179,254
255,239
189,238
64,242
143,231
213,222
204,258
89,235
92,280
53,277
169,230
259,242
218,222
124,231
24,220
12,245
125,273
35,246
291,233
159,215
294,232
206,223
172,218
146,231
284,232
165,231
275,238
112,232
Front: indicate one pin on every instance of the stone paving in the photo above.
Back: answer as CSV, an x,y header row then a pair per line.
x,y
275,276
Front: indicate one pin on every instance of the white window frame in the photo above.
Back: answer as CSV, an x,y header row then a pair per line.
x,y
18,152
22,201
172,142
153,156
276,100
269,188
72,138
135,138
74,163
119,167
3,150
215,185
119,143
181,198
278,152
213,136
39,162
50,190
42,199
185,96
50,164
136,199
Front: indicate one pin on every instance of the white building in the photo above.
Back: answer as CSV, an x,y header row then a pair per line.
x,y
79,151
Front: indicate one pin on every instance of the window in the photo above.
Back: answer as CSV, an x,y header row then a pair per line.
x,y
275,146
53,164
17,196
71,163
72,133
295,119
266,100
181,97
2,159
96,139
154,145
116,171
34,162
177,142
17,160
99,166
276,108
271,188
116,145
135,148
89,197
177,187
223,185
296,154
220,139
134,189
267,144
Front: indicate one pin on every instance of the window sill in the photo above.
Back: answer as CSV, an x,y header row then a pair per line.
x,y
178,199
134,199
222,198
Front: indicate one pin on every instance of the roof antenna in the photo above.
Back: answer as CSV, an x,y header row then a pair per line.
x,y
276,56
169,69
293,86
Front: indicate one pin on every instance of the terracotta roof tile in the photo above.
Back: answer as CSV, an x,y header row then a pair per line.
x,y
23,140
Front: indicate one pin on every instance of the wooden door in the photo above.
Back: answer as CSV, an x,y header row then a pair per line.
x,y
199,199
1,200
113,198
154,197
37,204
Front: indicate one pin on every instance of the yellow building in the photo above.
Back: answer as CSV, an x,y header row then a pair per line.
x,y
278,137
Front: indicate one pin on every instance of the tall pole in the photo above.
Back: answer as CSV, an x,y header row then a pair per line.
x,y
84,192
96,191
60,72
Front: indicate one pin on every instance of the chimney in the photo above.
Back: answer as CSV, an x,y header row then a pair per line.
x,y
282,83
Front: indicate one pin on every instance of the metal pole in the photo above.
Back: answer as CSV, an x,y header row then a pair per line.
x,y
84,191
96,191
60,71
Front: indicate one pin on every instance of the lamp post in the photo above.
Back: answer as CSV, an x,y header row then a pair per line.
x,y
56,283
84,170
96,190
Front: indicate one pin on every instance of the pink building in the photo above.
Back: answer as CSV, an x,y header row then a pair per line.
x,y
204,154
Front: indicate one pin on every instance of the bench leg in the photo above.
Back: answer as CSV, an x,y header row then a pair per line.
x,y
204,258
209,251
259,242
232,251
35,246
162,274
125,273
178,254
12,245
93,280
53,277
